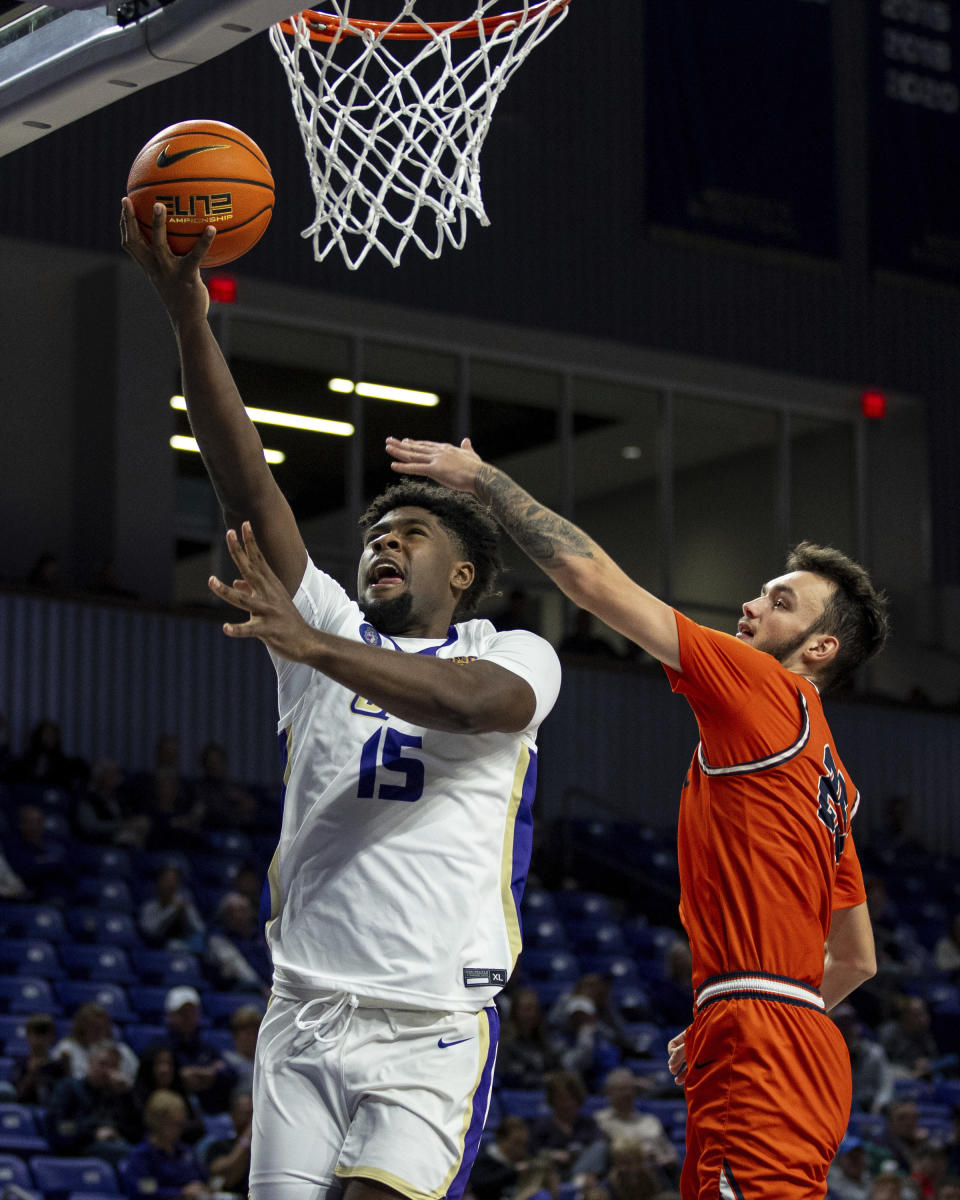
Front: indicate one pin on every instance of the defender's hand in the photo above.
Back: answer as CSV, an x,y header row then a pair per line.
x,y
453,466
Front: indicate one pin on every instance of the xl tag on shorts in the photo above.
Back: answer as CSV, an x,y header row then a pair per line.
x,y
484,977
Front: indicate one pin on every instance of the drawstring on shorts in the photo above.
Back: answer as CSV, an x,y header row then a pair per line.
x,y
323,1026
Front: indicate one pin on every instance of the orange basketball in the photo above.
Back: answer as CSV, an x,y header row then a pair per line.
x,y
205,173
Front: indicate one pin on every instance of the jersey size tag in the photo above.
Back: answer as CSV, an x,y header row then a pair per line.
x,y
484,977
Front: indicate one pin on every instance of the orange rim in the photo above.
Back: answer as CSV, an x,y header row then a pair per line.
x,y
324,27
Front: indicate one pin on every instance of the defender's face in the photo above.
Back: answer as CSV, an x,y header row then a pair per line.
x,y
788,607
410,573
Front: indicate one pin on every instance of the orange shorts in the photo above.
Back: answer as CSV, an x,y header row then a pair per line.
x,y
768,1099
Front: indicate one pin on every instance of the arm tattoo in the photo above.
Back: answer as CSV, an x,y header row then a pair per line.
x,y
540,533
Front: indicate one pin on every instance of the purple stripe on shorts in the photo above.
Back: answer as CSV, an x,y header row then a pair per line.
x,y
481,1102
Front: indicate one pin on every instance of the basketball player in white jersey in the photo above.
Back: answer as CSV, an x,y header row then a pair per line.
x,y
410,756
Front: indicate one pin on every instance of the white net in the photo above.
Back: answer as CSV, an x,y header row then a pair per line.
x,y
393,127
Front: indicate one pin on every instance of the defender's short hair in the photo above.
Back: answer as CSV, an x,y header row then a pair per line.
x,y
856,613
463,516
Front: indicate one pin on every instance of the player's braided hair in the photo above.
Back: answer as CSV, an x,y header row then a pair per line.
x,y
464,517
856,613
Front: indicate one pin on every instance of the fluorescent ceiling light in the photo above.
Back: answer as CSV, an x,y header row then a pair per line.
x,y
267,416
380,391
188,443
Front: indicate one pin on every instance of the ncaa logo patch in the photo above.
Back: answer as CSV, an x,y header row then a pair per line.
x,y
369,634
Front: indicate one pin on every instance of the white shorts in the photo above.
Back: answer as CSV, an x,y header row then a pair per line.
x,y
342,1091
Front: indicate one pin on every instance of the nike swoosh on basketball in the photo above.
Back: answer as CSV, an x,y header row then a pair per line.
x,y
167,160
444,1045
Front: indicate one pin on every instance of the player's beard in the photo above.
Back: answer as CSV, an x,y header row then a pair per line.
x,y
390,616
788,647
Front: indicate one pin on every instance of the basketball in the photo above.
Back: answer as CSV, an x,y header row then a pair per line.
x,y
204,173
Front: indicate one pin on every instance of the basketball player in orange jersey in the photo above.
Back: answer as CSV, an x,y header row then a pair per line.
x,y
772,895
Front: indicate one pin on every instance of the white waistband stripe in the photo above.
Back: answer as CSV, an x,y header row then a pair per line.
x,y
763,984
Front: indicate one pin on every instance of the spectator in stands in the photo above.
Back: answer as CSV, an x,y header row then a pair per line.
x,y
244,1026
619,1122
201,1064
228,1159
497,1166
104,814
849,1176
158,1071
44,761
236,949
929,1171
163,1165
631,1177
904,1137
610,1024
97,1114
873,1077
587,1050
12,886
889,1186
226,804
91,1024
176,819
566,1131
248,881
946,953
169,917
36,1073
673,995
539,1180
35,857
527,1051
907,1039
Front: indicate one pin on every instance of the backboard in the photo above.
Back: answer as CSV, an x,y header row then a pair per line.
x,y
59,62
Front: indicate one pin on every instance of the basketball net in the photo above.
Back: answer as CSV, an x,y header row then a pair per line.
x,y
393,117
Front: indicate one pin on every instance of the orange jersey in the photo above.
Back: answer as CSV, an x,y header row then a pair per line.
x,y
764,841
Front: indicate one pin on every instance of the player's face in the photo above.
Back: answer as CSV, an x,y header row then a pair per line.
x,y
782,618
411,574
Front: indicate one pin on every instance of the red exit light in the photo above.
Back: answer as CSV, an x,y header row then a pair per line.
x,y
873,405
222,289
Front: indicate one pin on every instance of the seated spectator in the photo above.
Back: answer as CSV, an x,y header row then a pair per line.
x,y
228,1159
907,1039
526,1051
35,857
163,1166
610,1024
244,1026
248,881
946,953
630,1177
237,951
620,1122
169,917
176,819
849,1176
872,1075
158,1071
673,995
225,804
44,761
96,1115
201,1064
91,1024
567,1130
587,1050
890,1186
104,812
539,1180
497,1166
929,1171
36,1073
904,1137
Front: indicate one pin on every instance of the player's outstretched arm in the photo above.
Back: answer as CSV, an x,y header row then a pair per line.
x,y
476,697
849,956
572,559
229,442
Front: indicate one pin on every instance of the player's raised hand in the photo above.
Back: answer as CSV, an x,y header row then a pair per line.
x,y
274,618
453,466
175,276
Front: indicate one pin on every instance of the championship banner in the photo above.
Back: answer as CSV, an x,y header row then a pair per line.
x,y
915,136
739,120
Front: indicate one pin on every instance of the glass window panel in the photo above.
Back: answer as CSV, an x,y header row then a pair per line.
x,y
822,482
726,489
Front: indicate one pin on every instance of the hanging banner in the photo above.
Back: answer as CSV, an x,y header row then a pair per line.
x,y
915,136
739,120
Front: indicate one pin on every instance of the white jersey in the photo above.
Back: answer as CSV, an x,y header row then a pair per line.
x,y
404,850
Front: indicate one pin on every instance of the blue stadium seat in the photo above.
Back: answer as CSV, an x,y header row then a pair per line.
x,y
97,891
552,965
61,1176
112,996
649,1038
19,1133
522,1102
27,994
603,939
30,956
167,967
147,1001
113,861
108,963
103,927
232,843
632,1001
220,1006
138,1036
544,933
14,1170
538,902
41,921
584,906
